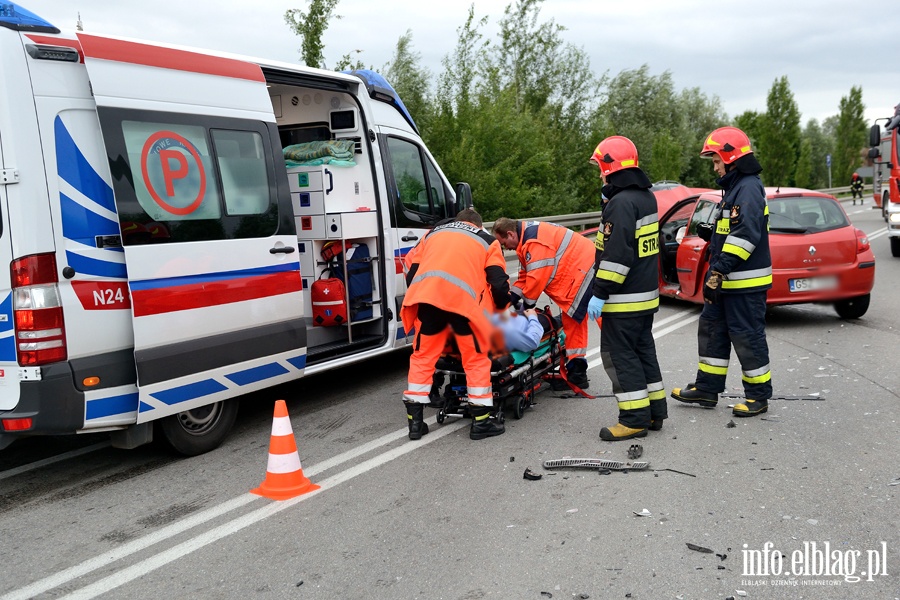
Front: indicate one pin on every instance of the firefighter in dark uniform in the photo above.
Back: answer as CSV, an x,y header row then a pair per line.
x,y
740,273
856,187
626,290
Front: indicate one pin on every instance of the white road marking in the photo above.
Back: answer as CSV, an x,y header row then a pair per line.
x,y
877,234
656,326
163,558
67,575
53,459
130,573
657,334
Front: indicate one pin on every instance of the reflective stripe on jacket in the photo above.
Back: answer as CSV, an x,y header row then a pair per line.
x,y
739,247
556,261
627,254
450,269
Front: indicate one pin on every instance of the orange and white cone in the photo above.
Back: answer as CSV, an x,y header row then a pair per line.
x,y
284,474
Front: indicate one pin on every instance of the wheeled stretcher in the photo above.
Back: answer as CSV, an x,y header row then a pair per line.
x,y
515,376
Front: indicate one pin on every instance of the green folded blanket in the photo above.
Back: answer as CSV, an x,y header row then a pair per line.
x,y
320,152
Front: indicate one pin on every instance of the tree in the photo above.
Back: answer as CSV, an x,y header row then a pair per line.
x,y
700,115
820,146
348,63
850,136
780,135
750,122
803,172
311,26
410,80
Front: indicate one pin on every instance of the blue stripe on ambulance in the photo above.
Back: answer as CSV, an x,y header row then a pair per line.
x,y
7,334
81,223
244,377
114,405
152,284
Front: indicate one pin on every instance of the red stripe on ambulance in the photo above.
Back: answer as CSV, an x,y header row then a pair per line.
x,y
168,58
200,295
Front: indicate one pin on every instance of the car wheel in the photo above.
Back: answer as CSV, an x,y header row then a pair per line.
x,y
199,430
884,207
852,308
895,247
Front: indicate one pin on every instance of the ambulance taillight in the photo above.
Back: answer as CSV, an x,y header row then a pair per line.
x,y
37,309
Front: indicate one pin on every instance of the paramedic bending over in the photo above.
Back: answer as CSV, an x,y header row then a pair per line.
x,y
456,270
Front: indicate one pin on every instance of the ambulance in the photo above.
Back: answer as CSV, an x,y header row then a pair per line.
x,y
161,250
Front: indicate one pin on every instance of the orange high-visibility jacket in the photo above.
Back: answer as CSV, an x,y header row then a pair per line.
x,y
557,261
459,268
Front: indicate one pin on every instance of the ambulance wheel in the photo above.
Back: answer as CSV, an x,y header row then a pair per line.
x,y
441,416
199,430
520,406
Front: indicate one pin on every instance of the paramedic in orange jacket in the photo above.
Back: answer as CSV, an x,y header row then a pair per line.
x,y
453,270
560,263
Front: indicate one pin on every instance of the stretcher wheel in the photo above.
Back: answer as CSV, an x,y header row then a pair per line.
x,y
520,405
500,418
441,415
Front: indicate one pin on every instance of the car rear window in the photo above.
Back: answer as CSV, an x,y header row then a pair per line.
x,y
803,214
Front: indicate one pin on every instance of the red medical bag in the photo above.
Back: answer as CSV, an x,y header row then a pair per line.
x,y
329,302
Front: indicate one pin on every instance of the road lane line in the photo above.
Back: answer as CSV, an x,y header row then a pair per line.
x,y
656,335
163,558
52,459
63,577
877,234
656,324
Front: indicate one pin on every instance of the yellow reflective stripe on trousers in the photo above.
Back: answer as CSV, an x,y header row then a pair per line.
x,y
713,366
634,404
760,375
633,400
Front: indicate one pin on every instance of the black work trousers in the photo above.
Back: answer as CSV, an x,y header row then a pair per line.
x,y
738,320
629,357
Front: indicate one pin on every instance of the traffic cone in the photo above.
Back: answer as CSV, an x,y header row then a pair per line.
x,y
284,474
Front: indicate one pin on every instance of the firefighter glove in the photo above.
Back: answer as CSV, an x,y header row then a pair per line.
x,y
705,231
595,307
713,288
515,300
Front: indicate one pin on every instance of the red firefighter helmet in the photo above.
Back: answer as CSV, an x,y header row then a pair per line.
x,y
855,175
614,154
730,143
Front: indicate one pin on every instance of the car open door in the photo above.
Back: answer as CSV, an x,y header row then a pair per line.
x,y
691,261
206,223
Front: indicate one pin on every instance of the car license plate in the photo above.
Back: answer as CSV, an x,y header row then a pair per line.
x,y
811,284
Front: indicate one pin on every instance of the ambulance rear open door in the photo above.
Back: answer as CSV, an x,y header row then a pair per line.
x,y
206,223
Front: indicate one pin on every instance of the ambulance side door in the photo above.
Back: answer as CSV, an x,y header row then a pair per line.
x,y
418,198
206,223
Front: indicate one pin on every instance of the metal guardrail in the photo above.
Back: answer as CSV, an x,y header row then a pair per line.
x,y
581,221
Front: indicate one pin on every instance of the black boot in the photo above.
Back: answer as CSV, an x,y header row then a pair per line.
x,y
692,395
417,425
750,408
434,396
483,425
576,371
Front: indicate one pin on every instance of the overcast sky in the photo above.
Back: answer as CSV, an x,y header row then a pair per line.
x,y
728,48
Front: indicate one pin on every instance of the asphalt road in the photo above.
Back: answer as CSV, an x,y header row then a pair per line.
x,y
451,518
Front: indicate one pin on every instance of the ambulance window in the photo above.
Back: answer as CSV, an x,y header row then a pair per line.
x,y
415,201
173,174
242,165
438,194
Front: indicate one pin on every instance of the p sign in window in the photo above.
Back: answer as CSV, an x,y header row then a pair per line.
x,y
172,170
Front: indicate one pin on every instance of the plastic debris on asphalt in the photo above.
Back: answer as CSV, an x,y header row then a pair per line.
x,y
730,424
697,548
531,475
643,513
635,451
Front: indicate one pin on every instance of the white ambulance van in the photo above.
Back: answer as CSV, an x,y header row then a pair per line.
x,y
160,250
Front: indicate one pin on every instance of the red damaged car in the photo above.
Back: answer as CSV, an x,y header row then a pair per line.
x,y
817,254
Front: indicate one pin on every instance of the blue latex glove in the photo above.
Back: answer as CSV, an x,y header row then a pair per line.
x,y
595,308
